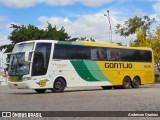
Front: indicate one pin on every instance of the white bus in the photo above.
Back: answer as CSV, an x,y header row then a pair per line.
x,y
53,65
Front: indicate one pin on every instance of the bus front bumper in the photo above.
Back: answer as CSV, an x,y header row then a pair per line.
x,y
19,85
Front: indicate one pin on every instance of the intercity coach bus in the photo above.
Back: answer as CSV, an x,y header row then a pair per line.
x,y
54,65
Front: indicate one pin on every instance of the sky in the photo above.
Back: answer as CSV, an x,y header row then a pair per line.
x,y
81,18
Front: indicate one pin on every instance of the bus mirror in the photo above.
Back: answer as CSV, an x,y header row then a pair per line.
x,y
27,56
5,58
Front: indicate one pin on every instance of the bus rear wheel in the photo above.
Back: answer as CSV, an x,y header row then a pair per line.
x,y
126,83
40,90
135,82
59,85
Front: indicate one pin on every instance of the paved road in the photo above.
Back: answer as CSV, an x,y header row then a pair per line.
x,y
145,98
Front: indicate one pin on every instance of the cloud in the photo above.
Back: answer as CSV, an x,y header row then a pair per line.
x,y
20,4
5,30
4,40
59,2
29,3
3,19
93,25
94,2
58,21
156,7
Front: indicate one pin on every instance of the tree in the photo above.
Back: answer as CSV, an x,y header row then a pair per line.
x,y
153,42
82,39
156,44
22,33
133,24
144,38
119,43
54,34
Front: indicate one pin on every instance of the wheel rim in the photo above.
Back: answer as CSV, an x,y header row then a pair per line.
x,y
126,83
136,82
58,85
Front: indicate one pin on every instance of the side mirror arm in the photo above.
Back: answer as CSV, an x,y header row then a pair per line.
x,y
27,57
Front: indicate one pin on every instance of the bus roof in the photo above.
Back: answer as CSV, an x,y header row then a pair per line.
x,y
101,44
87,43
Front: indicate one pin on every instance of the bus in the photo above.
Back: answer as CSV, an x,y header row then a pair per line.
x,y
54,65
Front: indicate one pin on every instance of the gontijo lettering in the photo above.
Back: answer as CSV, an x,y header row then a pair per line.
x,y
118,65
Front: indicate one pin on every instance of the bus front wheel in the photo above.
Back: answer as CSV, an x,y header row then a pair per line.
x,y
126,83
40,90
59,85
135,82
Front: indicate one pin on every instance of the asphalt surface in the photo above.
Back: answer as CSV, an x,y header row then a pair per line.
x,y
145,98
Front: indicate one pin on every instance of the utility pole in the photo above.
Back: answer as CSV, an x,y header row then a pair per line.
x,y
110,26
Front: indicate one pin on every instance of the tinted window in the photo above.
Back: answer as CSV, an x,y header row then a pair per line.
x,y
71,52
41,59
135,55
100,53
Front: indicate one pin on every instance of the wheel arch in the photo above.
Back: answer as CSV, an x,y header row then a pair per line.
x,y
128,77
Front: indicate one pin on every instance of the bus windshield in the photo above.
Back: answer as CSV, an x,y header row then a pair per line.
x,y
18,66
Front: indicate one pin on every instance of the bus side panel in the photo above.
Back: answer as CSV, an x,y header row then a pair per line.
x,y
116,71
64,68
89,71
148,77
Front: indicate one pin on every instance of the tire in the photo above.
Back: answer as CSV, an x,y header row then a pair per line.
x,y
59,85
135,82
40,90
106,87
126,83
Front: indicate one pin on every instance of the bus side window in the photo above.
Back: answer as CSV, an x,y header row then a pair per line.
x,y
94,54
108,54
101,54
115,55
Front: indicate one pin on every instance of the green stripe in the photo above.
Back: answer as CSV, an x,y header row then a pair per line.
x,y
88,70
70,43
95,70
